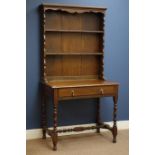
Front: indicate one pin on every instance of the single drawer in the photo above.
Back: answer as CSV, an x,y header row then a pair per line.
x,y
86,91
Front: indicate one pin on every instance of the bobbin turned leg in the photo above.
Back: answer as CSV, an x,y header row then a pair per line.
x,y
114,130
43,115
98,119
55,113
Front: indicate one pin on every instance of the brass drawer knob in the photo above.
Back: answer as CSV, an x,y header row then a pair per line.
x,y
73,93
102,91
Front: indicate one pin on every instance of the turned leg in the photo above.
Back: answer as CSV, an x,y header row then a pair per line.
x,y
55,113
114,130
43,115
98,118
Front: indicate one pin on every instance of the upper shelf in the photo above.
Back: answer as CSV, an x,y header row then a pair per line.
x,y
73,31
82,53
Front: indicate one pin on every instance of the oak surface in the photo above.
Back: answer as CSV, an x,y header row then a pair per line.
x,y
72,62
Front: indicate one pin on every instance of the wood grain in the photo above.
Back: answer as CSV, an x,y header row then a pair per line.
x,y
73,62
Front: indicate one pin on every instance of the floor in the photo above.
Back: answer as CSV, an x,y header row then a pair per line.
x,y
84,144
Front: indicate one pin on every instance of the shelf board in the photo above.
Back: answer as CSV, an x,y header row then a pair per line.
x,y
73,31
84,53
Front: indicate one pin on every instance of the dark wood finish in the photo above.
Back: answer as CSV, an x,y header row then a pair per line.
x,y
73,62
55,122
75,31
43,108
70,54
114,131
86,91
98,117
80,128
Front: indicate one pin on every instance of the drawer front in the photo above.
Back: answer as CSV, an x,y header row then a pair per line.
x,y
86,91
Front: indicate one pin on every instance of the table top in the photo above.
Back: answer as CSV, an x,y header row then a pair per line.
x,y
79,83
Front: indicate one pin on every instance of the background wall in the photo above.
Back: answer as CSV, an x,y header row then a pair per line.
x,y
116,66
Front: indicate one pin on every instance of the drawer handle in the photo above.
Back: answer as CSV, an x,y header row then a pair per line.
x,y
102,91
73,93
